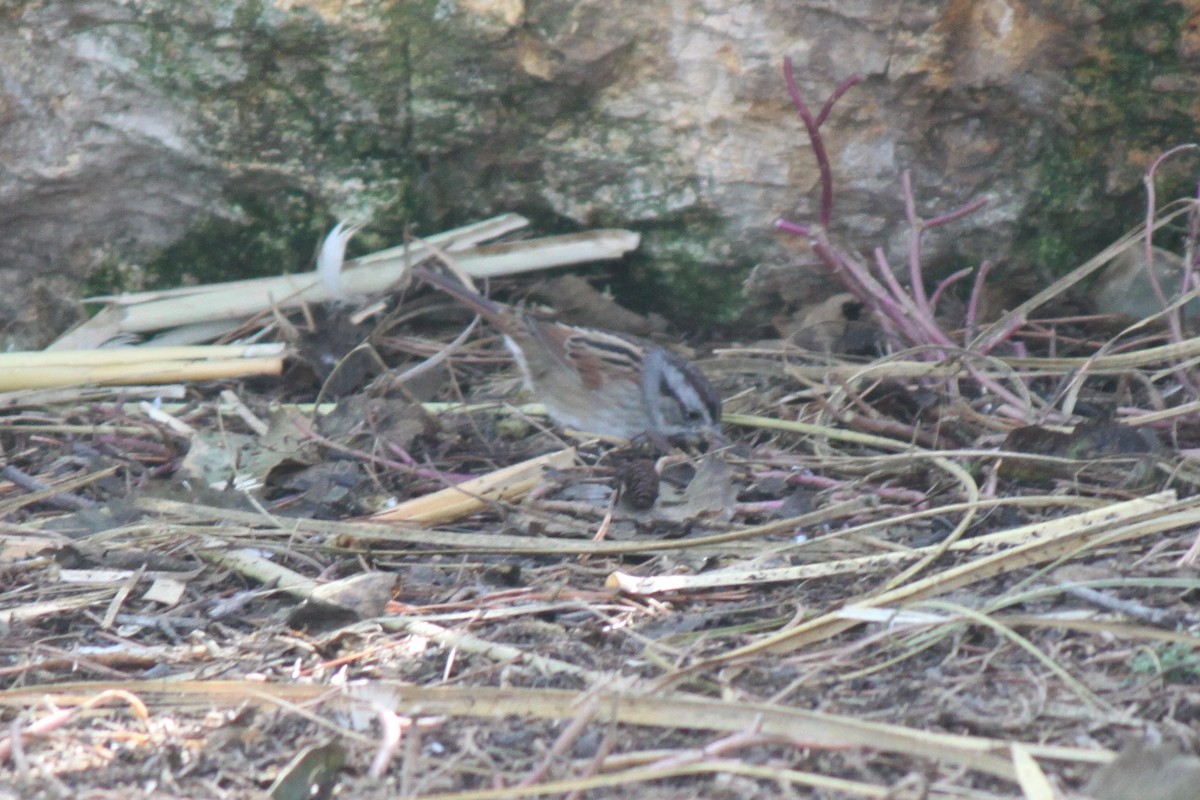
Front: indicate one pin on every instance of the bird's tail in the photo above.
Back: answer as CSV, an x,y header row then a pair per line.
x,y
490,310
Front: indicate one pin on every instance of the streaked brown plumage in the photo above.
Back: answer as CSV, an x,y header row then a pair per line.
x,y
598,381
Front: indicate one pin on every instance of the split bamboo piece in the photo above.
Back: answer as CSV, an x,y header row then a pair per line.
x,y
143,312
456,502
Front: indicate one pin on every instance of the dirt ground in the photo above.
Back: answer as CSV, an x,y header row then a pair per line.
x,y
882,586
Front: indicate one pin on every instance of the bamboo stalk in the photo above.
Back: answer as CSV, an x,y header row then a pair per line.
x,y
134,355
44,370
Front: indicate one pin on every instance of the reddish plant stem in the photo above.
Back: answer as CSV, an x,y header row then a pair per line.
x,y
842,88
858,281
946,284
1174,323
1148,239
914,319
906,313
793,228
918,226
813,125
976,297
1002,335
1193,235
958,213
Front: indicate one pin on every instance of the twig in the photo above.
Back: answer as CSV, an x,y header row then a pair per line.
x,y
66,500
562,744
719,747
1153,616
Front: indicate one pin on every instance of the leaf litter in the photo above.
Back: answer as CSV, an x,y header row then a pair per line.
x,y
936,558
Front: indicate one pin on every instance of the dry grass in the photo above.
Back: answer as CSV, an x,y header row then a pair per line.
x,y
830,610
924,575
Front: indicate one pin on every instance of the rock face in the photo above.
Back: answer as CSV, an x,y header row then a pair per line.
x,y
95,165
239,130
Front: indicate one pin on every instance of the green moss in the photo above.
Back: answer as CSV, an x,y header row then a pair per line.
x,y
1056,231
273,234
322,131
112,277
673,272
265,234
394,126
1173,663
1089,190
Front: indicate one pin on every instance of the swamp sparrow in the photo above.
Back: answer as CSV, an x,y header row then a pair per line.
x,y
596,381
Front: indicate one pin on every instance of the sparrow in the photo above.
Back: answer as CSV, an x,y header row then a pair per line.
x,y
598,381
